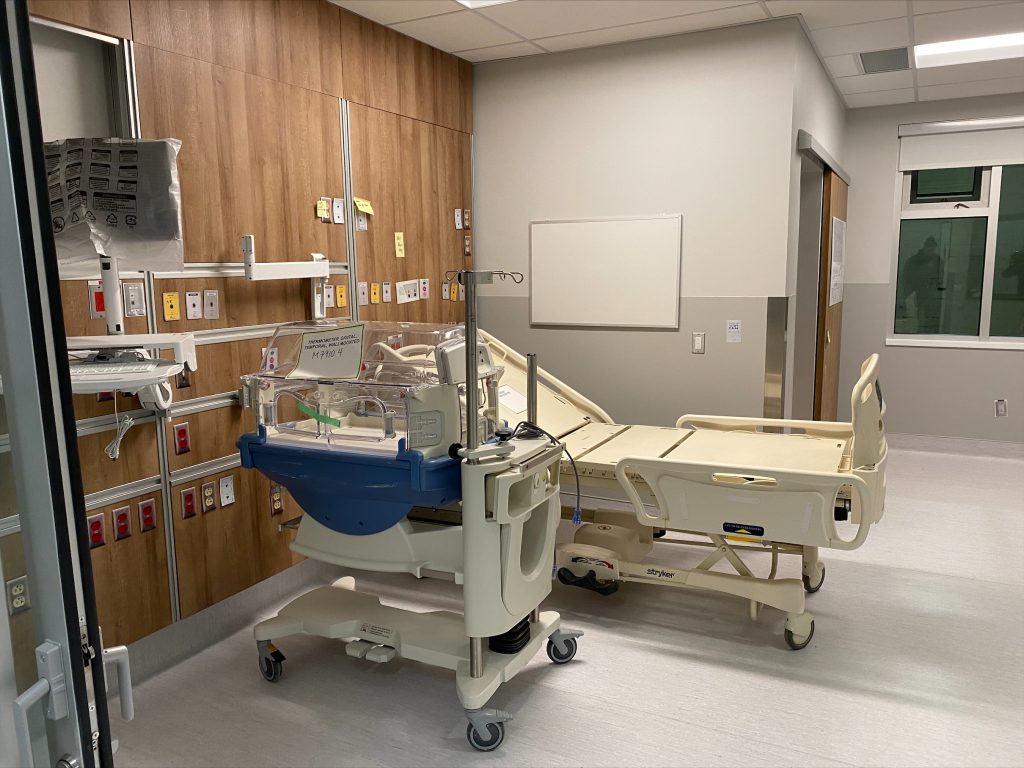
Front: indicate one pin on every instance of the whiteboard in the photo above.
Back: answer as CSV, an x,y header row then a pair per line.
x,y
621,273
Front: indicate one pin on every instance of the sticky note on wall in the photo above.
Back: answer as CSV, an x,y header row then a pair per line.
x,y
365,206
399,245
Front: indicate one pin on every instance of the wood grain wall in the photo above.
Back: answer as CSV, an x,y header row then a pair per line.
x,y
252,89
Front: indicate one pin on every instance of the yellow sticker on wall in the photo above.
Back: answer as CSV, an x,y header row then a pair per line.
x,y
172,307
342,296
454,292
399,245
323,209
364,206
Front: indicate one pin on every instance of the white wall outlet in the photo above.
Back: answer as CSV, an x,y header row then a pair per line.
x,y
208,492
329,296
465,218
458,218
211,305
446,291
134,299
386,293
17,595
338,210
193,305
425,288
697,343
97,309
362,221
364,294
227,490
1001,409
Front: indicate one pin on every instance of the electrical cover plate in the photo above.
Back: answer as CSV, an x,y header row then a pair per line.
x,y
182,440
386,292
209,494
134,299
97,530
122,523
276,500
17,596
211,305
193,305
172,306
147,515
188,503
227,490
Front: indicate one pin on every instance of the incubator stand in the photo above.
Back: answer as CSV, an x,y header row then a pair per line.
x,y
359,451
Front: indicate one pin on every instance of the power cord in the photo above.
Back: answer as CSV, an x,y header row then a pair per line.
x,y
528,429
113,449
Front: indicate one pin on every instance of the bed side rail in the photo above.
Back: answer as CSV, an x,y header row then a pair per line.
x,y
691,491
837,429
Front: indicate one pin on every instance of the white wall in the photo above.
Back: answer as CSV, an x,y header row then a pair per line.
x,y
929,391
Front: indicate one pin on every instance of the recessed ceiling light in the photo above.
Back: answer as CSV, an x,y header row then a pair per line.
x,y
482,3
967,51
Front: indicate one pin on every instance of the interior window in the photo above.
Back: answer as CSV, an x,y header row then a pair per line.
x,y
945,185
1008,281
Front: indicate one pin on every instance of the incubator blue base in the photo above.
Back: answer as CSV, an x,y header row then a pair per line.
x,y
353,493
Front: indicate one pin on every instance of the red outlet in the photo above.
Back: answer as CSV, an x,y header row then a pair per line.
x,y
98,304
147,515
122,523
188,503
182,441
97,531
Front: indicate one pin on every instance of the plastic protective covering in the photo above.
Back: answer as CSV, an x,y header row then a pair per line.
x,y
115,197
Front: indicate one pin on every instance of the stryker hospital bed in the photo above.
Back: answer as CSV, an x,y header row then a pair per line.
x,y
733,485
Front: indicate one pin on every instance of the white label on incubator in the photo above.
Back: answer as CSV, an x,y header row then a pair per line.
x,y
334,354
370,631
511,399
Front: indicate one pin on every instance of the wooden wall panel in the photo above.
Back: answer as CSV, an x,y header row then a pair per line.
x,y
87,406
132,594
416,79
8,499
454,190
271,543
213,435
370,61
255,157
138,458
74,297
242,302
466,81
220,366
447,91
23,636
111,17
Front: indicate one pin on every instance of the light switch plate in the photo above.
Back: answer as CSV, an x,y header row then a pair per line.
x,y
697,343
227,490
386,292
134,299
193,305
211,305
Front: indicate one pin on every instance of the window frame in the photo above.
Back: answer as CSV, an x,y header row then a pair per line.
x,y
903,210
978,184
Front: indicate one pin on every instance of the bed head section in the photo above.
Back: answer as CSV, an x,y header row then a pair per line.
x,y
867,408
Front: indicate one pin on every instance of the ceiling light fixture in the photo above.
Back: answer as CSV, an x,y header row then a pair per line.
x,y
482,3
992,48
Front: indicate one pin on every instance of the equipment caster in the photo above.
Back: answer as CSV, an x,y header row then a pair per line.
x,y
558,656
797,641
485,742
271,669
808,587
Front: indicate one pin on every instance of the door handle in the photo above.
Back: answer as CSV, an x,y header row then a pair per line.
x,y
118,656
51,683
828,337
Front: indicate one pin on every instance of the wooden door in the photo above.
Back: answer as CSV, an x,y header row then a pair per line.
x,y
830,303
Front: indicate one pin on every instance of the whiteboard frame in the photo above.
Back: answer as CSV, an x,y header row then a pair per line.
x,y
678,277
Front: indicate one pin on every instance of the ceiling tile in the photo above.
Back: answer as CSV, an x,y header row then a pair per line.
x,y
395,11
510,51
857,38
882,81
970,22
547,18
966,90
965,73
834,13
880,98
461,31
650,29
937,6
843,66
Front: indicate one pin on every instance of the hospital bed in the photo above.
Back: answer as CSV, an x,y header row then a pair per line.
x,y
363,423
732,485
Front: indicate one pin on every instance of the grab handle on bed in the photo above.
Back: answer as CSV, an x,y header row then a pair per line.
x,y
736,479
622,469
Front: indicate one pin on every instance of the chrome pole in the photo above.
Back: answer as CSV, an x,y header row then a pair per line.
x,y
531,388
472,382
476,655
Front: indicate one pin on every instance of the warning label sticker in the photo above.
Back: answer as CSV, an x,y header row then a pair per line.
x,y
113,202
99,183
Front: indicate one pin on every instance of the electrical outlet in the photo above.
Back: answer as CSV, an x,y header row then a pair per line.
x,y
465,218
97,307
147,515
134,299
172,306
424,288
122,523
446,291
1001,408
697,343
375,293
97,530
188,503
182,440
364,294
209,491
342,297
467,245
183,380
338,210
329,296
227,490
211,305
386,292
17,596
193,305
271,357
458,218
276,500
362,221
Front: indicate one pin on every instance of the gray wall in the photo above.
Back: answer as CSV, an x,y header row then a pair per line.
x,y
929,391
701,124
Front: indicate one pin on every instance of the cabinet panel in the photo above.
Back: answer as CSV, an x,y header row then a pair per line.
x,y
212,434
111,17
137,460
132,595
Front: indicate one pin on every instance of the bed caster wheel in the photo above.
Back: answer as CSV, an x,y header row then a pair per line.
x,y
271,669
798,641
486,742
812,588
558,656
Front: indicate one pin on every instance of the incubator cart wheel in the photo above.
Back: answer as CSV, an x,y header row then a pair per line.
x,y
271,669
808,588
562,658
796,642
488,742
